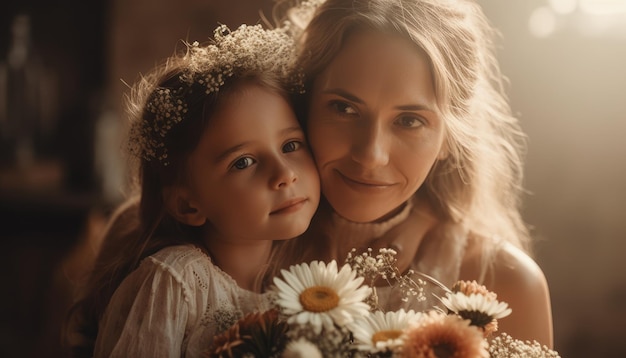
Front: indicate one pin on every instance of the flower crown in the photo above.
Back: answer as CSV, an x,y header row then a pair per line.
x,y
247,50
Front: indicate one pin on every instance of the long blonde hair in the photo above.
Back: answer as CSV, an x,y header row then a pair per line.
x,y
479,184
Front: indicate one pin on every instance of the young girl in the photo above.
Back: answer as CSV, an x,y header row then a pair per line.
x,y
224,171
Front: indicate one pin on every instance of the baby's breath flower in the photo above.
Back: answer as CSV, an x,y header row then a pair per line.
x,y
382,266
505,346
301,348
332,342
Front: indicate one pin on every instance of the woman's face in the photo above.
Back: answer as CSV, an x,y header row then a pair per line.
x,y
374,127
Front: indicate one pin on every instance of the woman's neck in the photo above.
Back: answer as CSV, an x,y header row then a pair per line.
x,y
341,235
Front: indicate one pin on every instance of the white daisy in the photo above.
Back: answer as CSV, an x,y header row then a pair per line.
x,y
381,331
301,349
478,308
321,295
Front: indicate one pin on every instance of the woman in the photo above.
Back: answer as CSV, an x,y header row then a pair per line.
x,y
417,148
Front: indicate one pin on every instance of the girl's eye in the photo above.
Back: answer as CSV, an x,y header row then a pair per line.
x,y
343,107
243,163
292,146
409,121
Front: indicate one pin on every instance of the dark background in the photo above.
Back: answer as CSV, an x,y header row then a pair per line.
x,y
61,173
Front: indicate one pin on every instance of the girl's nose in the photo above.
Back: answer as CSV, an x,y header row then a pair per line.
x,y
369,146
283,175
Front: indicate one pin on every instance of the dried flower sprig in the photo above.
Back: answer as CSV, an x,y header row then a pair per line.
x,y
382,266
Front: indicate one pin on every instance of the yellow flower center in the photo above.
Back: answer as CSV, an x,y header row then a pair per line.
x,y
384,336
319,299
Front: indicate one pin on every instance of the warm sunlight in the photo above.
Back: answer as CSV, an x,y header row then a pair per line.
x,y
591,18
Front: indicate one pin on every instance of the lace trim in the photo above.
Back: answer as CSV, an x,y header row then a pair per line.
x,y
177,276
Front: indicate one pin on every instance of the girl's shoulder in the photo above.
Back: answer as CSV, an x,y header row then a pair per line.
x,y
180,260
180,254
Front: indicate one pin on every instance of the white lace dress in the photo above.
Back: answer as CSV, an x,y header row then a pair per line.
x,y
172,306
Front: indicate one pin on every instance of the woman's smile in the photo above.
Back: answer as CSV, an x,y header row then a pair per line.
x,y
363,184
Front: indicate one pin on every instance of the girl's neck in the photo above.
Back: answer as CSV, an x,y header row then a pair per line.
x,y
244,261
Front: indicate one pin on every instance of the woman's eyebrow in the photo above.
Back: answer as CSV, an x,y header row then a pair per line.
x,y
351,97
343,93
415,107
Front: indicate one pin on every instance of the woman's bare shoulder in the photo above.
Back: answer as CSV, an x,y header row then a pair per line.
x,y
519,281
513,268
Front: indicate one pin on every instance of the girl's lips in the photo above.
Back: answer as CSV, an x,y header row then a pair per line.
x,y
289,206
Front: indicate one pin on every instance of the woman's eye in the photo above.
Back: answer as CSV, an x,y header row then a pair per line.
x,y
243,163
409,121
343,107
292,146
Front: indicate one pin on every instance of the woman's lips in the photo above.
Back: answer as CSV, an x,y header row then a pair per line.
x,y
289,206
363,184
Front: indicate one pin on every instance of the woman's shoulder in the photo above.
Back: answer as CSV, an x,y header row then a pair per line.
x,y
506,265
518,280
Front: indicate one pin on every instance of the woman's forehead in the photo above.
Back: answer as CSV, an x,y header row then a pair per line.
x,y
373,61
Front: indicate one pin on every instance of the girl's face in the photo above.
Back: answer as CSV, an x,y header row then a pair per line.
x,y
374,126
252,175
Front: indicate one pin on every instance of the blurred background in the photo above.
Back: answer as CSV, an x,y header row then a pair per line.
x,y
63,65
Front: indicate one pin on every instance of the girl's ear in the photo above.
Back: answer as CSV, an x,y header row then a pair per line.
x,y
178,204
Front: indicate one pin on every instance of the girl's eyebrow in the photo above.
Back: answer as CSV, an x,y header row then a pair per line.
x,y
349,96
229,151
223,155
292,129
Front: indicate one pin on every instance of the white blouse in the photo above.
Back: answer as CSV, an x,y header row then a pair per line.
x,y
172,305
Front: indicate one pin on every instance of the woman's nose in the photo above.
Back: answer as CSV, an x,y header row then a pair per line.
x,y
370,146
283,175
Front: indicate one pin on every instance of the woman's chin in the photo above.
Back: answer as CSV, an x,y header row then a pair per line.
x,y
363,214
366,212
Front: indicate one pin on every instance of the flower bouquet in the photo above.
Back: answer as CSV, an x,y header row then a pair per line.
x,y
323,310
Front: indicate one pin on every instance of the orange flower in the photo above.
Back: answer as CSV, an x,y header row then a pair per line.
x,y
438,335
469,287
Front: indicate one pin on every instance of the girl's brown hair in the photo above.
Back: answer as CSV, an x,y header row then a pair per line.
x,y
197,81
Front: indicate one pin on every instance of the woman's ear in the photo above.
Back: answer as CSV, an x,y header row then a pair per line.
x,y
178,204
